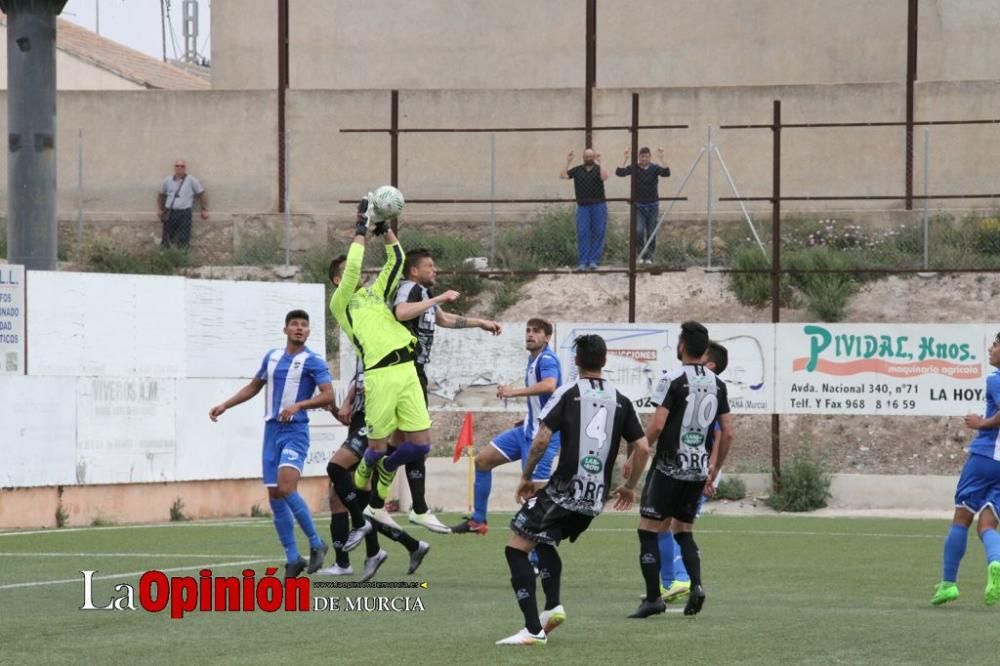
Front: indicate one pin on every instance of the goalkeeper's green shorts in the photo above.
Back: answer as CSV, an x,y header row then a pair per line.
x,y
394,400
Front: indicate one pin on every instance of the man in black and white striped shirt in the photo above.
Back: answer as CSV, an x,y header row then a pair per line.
x,y
419,311
689,403
591,417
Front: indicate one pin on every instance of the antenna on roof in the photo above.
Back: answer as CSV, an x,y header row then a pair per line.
x,y
191,31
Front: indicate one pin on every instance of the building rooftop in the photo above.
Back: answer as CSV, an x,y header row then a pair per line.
x,y
127,63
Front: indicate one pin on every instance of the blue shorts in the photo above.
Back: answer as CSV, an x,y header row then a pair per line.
x,y
285,445
979,485
513,445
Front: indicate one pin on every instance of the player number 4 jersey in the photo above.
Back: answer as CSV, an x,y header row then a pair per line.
x,y
694,398
591,417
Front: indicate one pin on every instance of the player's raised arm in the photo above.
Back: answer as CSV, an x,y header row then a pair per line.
x,y
449,320
241,396
388,277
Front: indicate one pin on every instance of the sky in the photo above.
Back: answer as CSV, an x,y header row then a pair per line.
x,y
136,23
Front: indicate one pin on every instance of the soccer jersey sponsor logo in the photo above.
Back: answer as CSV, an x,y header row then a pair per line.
x,y
692,438
592,464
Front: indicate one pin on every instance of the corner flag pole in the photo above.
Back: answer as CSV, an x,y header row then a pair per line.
x,y
472,469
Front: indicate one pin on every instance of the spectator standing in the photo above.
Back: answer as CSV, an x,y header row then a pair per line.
x,y
175,201
591,207
647,198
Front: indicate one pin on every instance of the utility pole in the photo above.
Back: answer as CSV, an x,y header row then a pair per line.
x,y
32,232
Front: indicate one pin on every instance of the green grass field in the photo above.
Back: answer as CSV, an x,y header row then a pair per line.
x,y
781,590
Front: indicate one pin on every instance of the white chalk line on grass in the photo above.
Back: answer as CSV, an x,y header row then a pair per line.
x,y
26,554
63,581
876,535
67,530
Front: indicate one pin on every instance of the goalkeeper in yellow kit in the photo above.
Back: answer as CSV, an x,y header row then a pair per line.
x,y
394,399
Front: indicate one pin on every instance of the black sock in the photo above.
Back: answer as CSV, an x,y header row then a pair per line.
x,y
690,555
371,539
339,527
397,535
416,472
373,500
343,485
522,578
649,563
549,571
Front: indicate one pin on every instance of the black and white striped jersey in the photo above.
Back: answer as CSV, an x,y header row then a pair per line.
x,y
421,327
358,406
591,417
694,398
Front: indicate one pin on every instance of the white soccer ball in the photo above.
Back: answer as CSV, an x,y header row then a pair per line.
x,y
385,203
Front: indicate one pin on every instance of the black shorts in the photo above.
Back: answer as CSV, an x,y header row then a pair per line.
x,y
543,521
666,497
357,436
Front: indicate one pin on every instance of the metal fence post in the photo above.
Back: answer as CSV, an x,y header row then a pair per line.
x,y
79,194
286,150
926,200
493,196
776,276
708,240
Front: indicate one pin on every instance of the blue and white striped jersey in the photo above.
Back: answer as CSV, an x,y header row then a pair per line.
x,y
290,379
543,366
985,442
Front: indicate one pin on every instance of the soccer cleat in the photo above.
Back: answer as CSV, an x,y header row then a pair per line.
x,y
552,619
944,592
372,564
992,584
385,478
355,537
524,637
417,556
647,608
468,525
381,516
430,521
316,556
337,571
363,474
696,599
293,569
678,590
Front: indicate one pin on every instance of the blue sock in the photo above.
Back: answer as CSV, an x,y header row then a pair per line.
x,y
284,523
407,452
954,550
303,518
666,542
372,456
991,543
481,495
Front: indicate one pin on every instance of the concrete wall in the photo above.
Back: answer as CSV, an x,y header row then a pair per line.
x,y
131,139
384,44
245,44
229,141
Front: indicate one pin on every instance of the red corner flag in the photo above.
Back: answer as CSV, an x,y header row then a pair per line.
x,y
464,437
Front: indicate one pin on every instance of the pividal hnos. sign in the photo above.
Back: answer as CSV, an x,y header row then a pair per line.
x,y
12,320
925,369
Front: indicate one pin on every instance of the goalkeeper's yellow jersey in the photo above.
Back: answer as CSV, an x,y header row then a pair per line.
x,y
366,314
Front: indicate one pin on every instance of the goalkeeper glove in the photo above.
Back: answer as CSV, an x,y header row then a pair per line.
x,y
361,219
380,228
